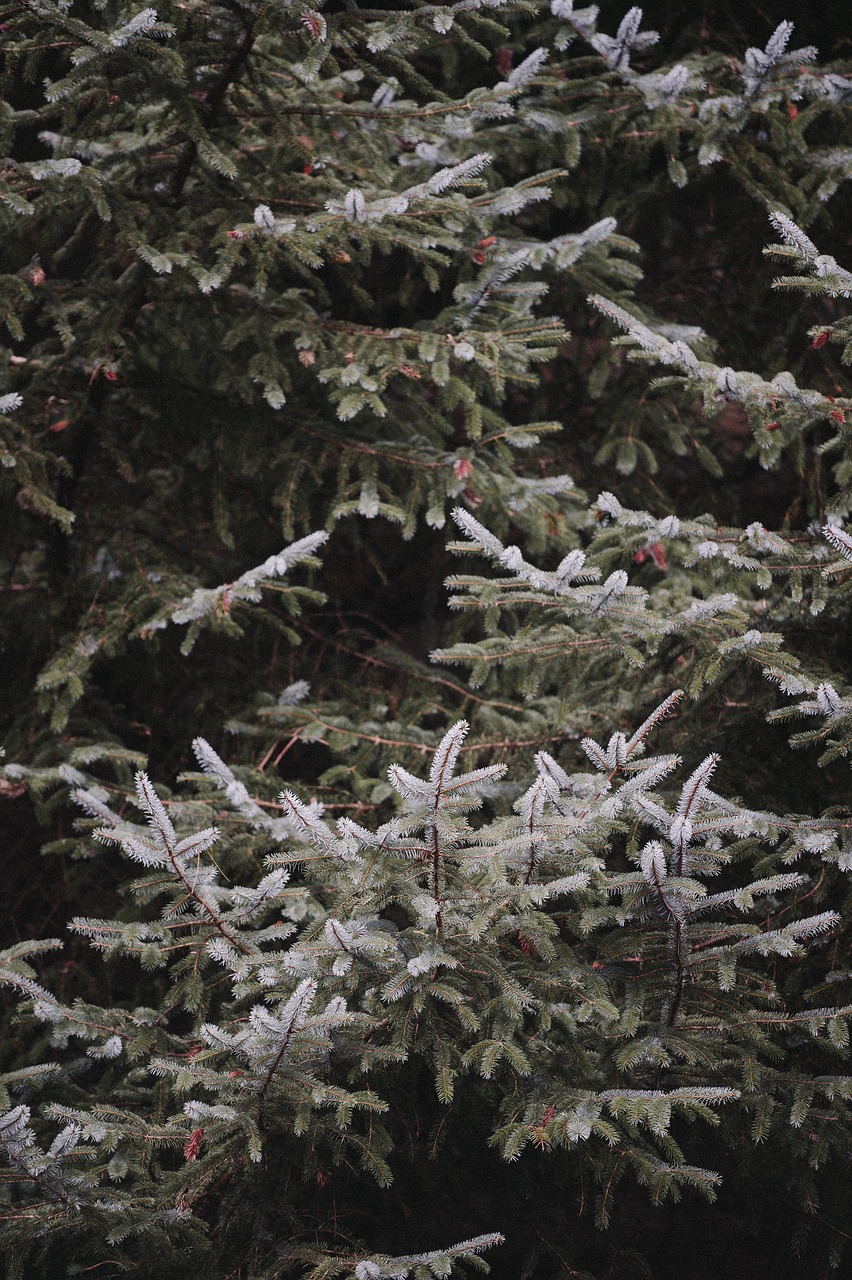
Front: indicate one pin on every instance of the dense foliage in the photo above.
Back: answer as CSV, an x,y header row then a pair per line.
x,y
473,903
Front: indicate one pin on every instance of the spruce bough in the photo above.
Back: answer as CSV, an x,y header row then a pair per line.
x,y
558,911
617,1002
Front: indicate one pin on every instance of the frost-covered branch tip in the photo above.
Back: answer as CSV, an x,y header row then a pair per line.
x,y
793,235
10,402
839,539
616,50
444,179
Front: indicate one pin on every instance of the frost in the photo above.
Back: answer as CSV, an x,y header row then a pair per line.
x,y
269,225
444,179
528,68
44,169
354,205
616,50
294,694
140,25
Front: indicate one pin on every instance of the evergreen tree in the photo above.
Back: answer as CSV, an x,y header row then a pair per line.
x,y
325,278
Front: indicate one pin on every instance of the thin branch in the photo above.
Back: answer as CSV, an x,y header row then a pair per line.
x,y
215,98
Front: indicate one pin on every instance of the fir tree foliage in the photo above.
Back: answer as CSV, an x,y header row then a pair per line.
x,y
426,938
218,229
275,274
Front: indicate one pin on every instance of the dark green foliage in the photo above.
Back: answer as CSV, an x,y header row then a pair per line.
x,y
287,294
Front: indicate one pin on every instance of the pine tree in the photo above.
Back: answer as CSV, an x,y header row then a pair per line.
x,y
337,280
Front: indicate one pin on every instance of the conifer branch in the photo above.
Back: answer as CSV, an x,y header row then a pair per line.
x,y
215,99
